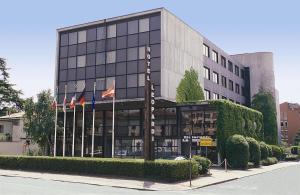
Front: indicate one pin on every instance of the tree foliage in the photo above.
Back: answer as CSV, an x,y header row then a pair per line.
x,y
9,97
189,88
265,103
39,120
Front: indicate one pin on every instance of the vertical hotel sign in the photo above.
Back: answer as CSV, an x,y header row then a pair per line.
x,y
149,109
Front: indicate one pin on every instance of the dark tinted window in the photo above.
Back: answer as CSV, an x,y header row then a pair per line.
x,y
91,47
80,73
110,69
71,74
90,60
101,46
133,40
155,64
111,44
63,75
131,67
121,29
81,49
100,71
144,38
90,72
121,55
63,52
121,81
121,68
64,40
91,34
132,92
121,42
155,37
63,63
155,23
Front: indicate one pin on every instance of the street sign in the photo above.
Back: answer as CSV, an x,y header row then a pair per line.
x,y
206,141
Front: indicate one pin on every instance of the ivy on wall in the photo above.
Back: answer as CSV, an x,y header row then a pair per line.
x,y
236,119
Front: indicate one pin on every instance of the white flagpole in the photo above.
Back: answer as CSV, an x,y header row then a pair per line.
x,y
65,118
74,123
93,131
55,128
82,135
113,127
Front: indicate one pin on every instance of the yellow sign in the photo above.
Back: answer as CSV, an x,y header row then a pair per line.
x,y
206,142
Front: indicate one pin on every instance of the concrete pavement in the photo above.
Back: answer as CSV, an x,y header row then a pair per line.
x,y
217,176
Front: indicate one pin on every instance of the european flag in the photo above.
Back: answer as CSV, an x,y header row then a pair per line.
x,y
93,102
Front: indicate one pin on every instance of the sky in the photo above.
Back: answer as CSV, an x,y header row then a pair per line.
x,y
28,33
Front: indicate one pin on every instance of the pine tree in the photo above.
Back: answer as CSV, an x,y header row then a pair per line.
x,y
9,97
189,88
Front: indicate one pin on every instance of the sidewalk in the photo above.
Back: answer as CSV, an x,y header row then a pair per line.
x,y
217,176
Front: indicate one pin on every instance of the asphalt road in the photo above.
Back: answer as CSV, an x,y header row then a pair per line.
x,y
278,182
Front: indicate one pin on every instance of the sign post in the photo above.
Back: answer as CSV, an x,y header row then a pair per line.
x,y
149,109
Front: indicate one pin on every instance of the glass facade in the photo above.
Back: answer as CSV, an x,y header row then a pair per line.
x,y
172,128
114,50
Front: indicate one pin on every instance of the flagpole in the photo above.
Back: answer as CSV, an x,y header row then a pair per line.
x,y
74,123
55,128
113,127
93,131
82,135
65,118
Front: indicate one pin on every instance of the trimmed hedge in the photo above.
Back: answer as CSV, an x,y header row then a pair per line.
x,y
236,119
254,150
204,164
295,150
264,150
277,152
165,170
237,152
269,161
270,151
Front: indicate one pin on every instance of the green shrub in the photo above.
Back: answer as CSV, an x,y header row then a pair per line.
x,y
270,152
283,152
165,170
269,161
254,151
237,152
204,164
277,152
295,150
263,150
291,157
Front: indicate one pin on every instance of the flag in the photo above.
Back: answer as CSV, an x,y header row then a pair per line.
x,y
65,104
110,92
81,98
73,102
93,102
54,103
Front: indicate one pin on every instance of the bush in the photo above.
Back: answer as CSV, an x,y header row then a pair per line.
x,y
165,170
204,164
237,152
254,151
277,152
270,152
291,157
269,161
263,150
283,152
295,150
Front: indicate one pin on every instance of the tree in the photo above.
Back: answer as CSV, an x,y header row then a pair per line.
x,y
297,138
189,88
9,97
264,102
39,120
